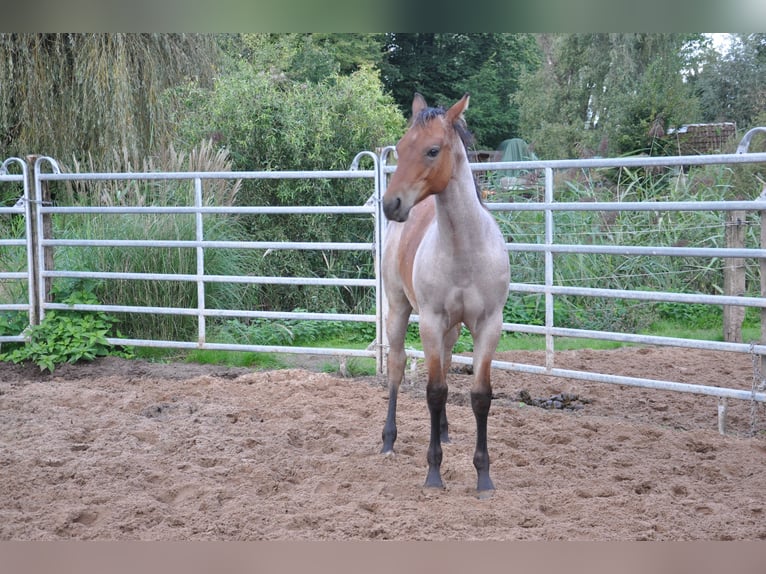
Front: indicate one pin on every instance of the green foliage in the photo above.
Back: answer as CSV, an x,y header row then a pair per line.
x,y
306,57
68,336
604,94
444,66
622,316
275,123
730,85
99,91
269,122
691,315
351,367
235,359
291,332
525,309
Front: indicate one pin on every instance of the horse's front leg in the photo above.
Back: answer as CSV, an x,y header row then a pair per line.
x,y
436,397
449,342
485,344
480,402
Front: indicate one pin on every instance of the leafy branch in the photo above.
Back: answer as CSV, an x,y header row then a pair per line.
x,y
68,336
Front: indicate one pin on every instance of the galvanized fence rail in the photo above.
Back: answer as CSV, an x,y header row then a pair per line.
x,y
9,277
47,170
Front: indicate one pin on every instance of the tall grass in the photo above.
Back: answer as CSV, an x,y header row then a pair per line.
x,y
152,226
632,228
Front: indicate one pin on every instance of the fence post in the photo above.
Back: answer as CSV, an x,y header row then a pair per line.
x,y
32,240
200,259
381,224
40,228
762,269
734,277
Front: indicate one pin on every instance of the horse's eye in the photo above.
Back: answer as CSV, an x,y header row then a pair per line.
x,y
433,152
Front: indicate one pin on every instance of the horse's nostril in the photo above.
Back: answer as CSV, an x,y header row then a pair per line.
x,y
392,208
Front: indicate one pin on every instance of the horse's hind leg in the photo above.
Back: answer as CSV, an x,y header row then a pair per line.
x,y
396,328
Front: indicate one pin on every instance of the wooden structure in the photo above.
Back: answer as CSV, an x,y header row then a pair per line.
x,y
695,139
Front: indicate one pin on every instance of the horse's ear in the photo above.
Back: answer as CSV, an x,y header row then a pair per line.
x,y
418,104
456,111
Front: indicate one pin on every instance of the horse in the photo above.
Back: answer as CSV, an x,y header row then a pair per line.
x,y
445,258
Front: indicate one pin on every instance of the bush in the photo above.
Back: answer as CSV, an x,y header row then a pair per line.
x,y
68,336
268,122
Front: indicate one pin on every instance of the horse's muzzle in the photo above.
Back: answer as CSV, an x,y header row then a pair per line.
x,y
393,210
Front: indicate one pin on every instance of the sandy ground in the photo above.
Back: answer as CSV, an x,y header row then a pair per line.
x,y
130,450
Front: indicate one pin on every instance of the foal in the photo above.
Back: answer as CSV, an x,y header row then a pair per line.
x,y
444,258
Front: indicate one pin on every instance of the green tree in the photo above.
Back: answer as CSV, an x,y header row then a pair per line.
x,y
605,94
444,66
76,95
269,121
731,86
306,56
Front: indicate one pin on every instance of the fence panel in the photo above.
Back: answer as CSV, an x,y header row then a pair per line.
x,y
16,281
201,245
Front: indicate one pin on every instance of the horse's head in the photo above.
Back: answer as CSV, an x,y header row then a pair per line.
x,y
426,156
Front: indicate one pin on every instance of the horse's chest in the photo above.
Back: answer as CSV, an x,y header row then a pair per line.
x,y
457,277
447,280
433,263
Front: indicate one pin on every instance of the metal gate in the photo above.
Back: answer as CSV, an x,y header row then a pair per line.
x,y
22,276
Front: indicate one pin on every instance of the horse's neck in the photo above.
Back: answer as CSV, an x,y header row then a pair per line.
x,y
460,215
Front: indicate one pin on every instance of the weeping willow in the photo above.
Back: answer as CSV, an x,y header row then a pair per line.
x,y
78,95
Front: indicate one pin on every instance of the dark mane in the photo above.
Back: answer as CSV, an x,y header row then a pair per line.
x,y
461,128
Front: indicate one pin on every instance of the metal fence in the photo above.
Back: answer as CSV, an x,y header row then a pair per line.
x,y
42,209
35,208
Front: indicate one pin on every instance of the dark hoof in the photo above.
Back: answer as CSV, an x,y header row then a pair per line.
x,y
485,494
485,484
434,480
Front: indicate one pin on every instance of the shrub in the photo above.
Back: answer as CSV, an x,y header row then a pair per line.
x,y
269,122
68,336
